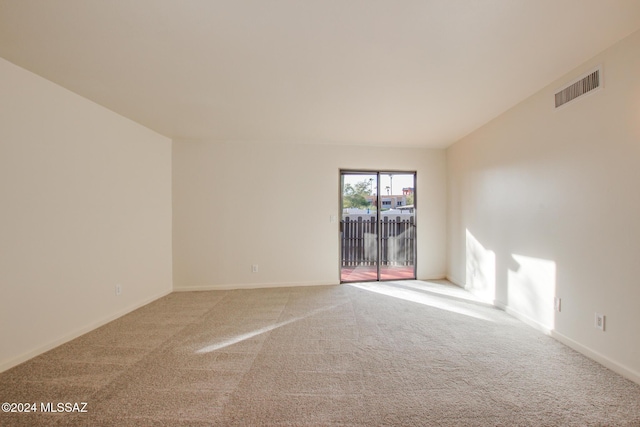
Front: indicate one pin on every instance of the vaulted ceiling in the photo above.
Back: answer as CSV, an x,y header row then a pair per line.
x,y
375,72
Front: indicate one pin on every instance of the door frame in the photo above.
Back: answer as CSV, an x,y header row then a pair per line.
x,y
378,195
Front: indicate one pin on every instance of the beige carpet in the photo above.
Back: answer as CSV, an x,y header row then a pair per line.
x,y
404,353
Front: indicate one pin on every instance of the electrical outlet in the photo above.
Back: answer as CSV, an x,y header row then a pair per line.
x,y
599,321
118,290
254,268
557,304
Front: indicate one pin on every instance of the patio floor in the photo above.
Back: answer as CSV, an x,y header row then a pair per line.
x,y
364,273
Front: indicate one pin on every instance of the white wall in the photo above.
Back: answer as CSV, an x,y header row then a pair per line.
x,y
238,204
85,200
545,203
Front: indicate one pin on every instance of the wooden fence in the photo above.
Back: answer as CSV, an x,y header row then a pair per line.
x,y
359,241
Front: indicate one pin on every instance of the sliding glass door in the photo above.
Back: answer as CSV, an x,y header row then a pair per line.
x,y
378,227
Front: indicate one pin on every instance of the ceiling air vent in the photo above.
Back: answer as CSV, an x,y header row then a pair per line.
x,y
583,85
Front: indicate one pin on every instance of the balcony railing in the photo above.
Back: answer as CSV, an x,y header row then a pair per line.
x,y
360,240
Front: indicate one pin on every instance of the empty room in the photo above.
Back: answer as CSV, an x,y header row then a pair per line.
x,y
311,213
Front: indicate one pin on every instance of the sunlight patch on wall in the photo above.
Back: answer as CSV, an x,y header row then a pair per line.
x,y
481,269
532,287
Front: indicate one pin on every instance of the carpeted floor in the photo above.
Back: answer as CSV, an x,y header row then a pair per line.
x,y
405,353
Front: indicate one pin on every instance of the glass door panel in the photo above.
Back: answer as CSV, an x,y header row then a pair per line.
x,y
358,227
397,230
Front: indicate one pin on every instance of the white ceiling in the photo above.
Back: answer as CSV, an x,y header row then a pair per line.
x,y
375,72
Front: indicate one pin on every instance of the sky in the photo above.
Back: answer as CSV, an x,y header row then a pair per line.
x,y
400,181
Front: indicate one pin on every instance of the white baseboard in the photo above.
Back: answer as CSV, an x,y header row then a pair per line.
x,y
590,353
616,367
78,332
228,287
456,282
433,277
235,286
523,318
